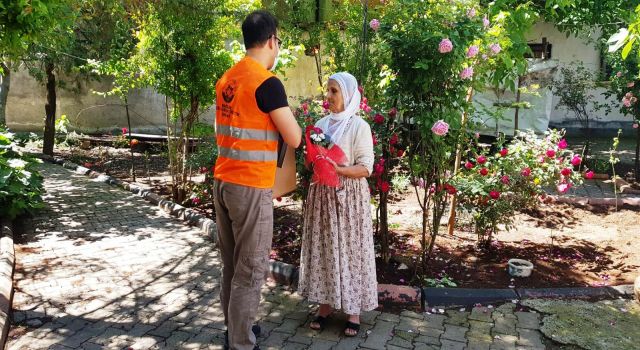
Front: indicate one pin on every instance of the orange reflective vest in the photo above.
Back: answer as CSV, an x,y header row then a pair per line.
x,y
247,138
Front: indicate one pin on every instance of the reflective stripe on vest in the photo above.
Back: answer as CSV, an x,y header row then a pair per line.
x,y
252,156
247,134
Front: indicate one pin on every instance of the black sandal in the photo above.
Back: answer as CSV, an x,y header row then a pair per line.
x,y
321,321
352,326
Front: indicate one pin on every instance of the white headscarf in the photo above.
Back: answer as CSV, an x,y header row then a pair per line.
x,y
336,123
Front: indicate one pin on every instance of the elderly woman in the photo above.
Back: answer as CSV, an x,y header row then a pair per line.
x,y
337,264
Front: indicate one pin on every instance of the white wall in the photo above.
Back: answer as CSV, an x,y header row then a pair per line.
x,y
570,49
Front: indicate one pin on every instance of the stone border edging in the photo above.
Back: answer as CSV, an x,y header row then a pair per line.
x,y
631,202
7,264
287,274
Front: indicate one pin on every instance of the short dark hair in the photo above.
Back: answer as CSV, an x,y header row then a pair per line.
x,y
258,27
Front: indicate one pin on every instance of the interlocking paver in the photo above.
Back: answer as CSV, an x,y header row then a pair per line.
x,y
100,268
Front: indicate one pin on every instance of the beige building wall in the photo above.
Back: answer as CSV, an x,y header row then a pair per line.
x,y
92,113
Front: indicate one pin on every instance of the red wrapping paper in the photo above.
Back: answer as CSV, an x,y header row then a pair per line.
x,y
324,172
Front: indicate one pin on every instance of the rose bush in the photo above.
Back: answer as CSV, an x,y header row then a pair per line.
x,y
493,187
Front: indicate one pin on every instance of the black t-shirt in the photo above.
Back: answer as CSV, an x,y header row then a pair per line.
x,y
270,95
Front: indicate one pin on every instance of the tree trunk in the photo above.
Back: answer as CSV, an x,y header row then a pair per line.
x,y
636,174
5,83
456,167
50,111
133,163
384,228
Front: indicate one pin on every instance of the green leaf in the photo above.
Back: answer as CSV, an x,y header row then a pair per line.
x,y
628,47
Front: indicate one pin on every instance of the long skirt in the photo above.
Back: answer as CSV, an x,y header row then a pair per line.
x,y
337,263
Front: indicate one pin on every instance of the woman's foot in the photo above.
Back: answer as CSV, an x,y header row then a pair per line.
x,y
353,326
321,317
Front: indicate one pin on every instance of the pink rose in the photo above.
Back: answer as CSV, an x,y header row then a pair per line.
x,y
468,165
589,175
525,172
635,125
393,112
563,187
562,144
373,137
305,108
445,46
125,130
495,48
551,153
494,194
481,159
471,13
504,152
472,51
325,105
440,128
504,179
626,102
466,73
485,22
195,201
576,160
631,84
619,74
374,24
367,109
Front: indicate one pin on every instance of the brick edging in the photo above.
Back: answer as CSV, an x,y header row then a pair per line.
x,y
7,264
287,274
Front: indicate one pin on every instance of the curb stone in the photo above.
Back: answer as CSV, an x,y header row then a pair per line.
x,y
7,264
287,274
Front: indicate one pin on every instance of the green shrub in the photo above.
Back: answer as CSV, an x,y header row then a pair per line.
x,y
20,183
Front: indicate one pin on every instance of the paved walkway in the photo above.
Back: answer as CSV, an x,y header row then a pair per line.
x,y
99,268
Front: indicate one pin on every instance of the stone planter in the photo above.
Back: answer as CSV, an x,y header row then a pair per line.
x,y
520,268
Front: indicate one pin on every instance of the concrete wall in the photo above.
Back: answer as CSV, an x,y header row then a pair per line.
x,y
91,113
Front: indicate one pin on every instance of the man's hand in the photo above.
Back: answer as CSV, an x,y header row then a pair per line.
x,y
287,126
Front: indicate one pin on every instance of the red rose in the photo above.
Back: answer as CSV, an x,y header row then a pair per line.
x,y
375,141
400,153
484,171
566,172
504,152
393,112
384,187
525,172
481,159
378,119
394,139
551,153
494,194
468,165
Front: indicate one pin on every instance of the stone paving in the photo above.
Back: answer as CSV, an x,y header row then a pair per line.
x,y
99,268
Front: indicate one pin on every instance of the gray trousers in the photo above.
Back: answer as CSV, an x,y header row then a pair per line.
x,y
244,217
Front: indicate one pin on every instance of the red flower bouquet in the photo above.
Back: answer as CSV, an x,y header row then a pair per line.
x,y
319,150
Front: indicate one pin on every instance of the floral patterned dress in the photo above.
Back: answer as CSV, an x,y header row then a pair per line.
x,y
337,264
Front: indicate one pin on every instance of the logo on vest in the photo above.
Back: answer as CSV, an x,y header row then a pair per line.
x,y
229,91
